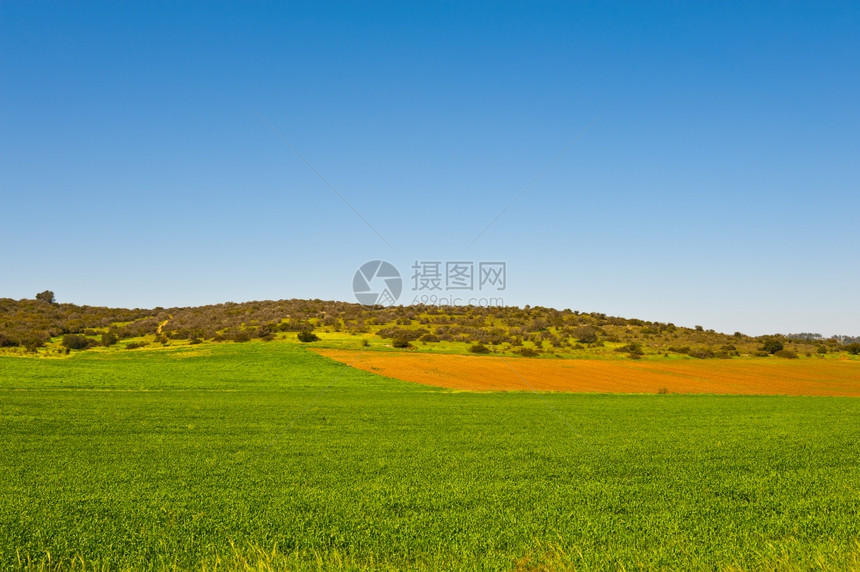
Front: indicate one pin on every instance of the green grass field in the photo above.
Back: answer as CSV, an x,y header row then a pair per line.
x,y
267,456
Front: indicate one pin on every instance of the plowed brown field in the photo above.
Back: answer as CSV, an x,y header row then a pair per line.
x,y
770,376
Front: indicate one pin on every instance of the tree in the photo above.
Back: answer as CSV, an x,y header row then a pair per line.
x,y
46,296
771,346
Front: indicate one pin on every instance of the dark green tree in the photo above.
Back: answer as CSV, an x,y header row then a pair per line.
x,y
772,346
46,296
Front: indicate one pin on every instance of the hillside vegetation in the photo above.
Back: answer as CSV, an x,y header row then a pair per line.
x,y
45,327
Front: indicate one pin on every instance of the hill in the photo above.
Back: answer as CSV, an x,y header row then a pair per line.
x,y
45,327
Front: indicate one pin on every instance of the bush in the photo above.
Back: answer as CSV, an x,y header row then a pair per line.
x,y
401,343
632,349
307,336
429,338
585,334
109,339
33,342
402,333
135,345
702,353
479,349
7,342
265,332
788,354
194,341
853,348
528,352
75,342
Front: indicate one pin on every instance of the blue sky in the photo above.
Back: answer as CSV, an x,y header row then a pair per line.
x,y
717,186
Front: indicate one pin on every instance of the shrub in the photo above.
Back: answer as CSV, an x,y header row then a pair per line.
x,y
195,341
853,348
788,354
75,342
109,339
429,338
296,326
7,342
528,352
702,353
632,349
307,336
135,345
33,342
265,332
401,343
585,334
479,349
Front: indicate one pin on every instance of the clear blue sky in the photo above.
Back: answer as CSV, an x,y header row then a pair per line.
x,y
720,185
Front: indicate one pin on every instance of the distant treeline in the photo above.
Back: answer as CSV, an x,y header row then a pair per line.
x,y
530,330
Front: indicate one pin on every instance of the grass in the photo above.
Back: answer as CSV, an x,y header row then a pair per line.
x,y
263,456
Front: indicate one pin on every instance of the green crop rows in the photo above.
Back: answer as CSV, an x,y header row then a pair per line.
x,y
267,456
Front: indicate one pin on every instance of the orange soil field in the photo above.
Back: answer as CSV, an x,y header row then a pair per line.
x,y
771,376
